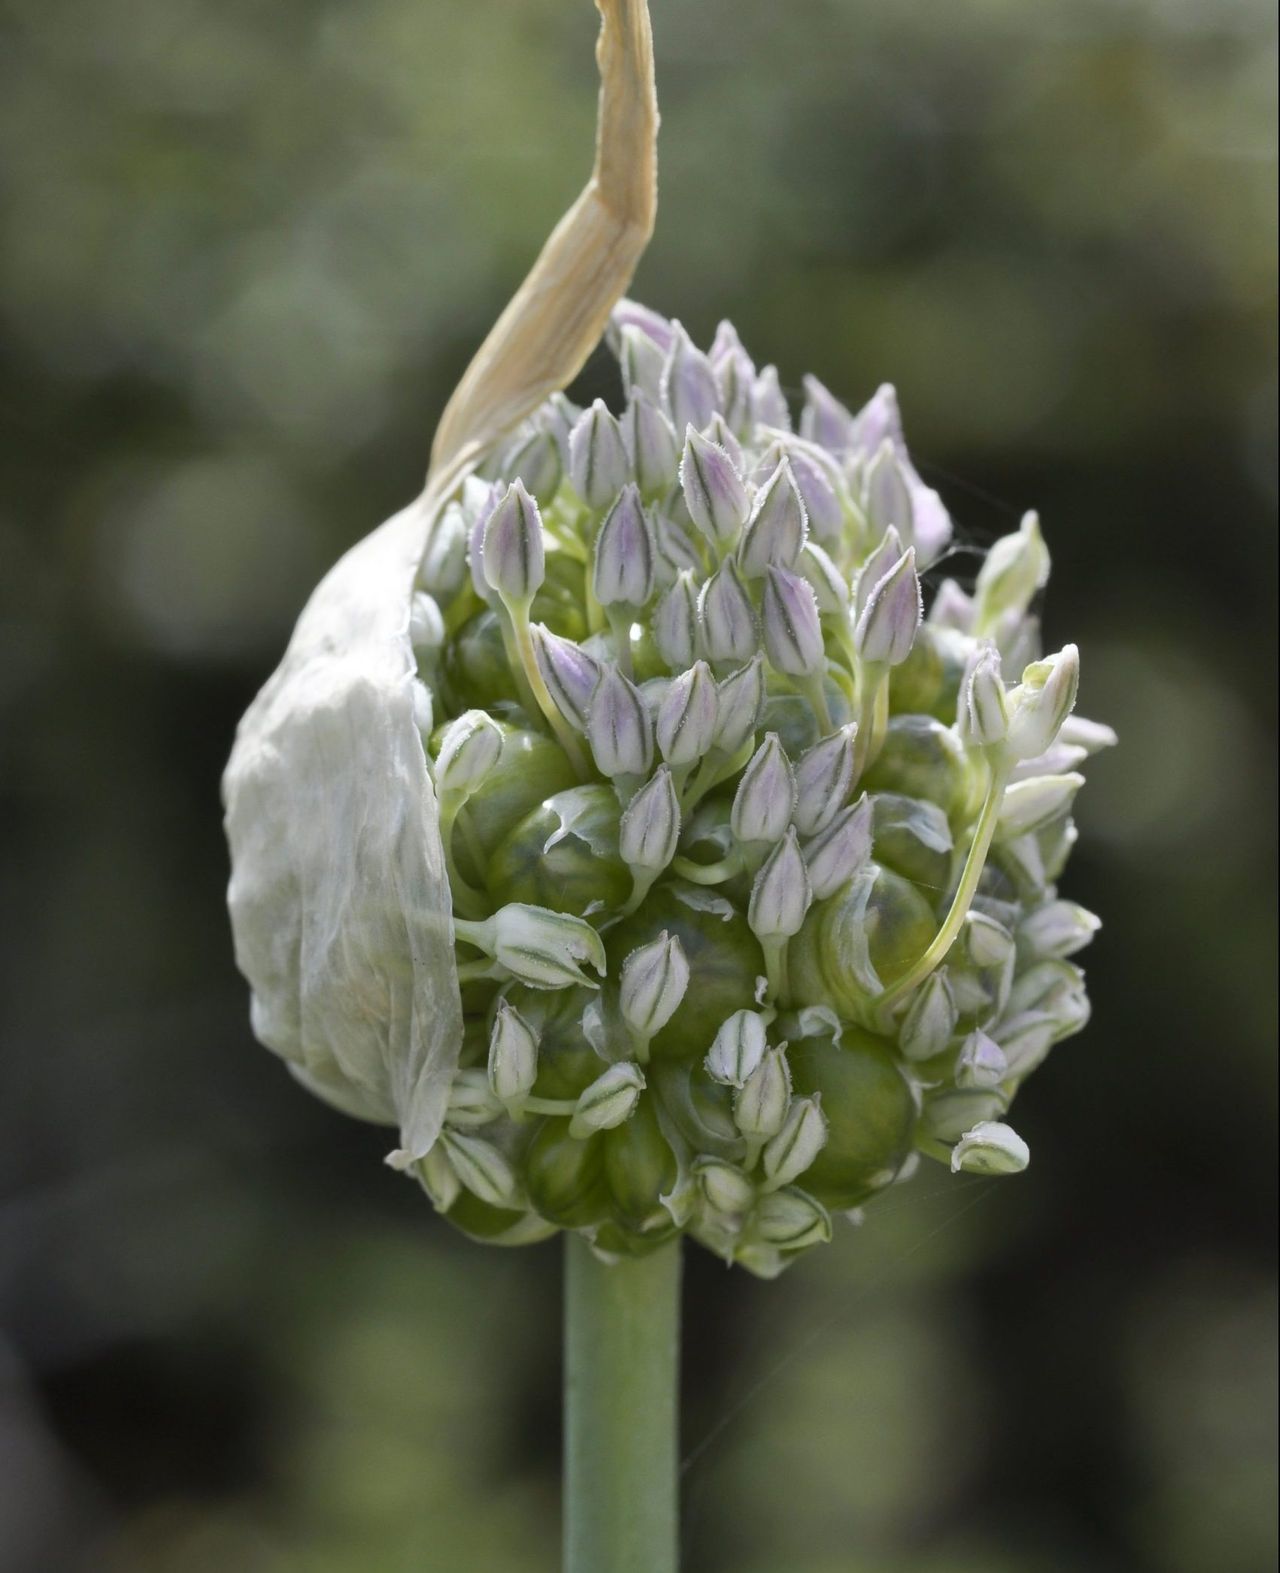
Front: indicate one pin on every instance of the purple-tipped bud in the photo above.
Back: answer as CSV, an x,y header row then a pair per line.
x,y
653,982
840,851
951,608
534,459
619,728
728,617
825,580
598,462
641,360
644,319
818,478
651,439
444,562
677,549
878,419
824,419
688,383
982,716
650,827
760,1109
738,1048
719,433
769,402
775,532
792,631
888,551
929,1023
781,894
887,493
608,1102
713,489
824,776
981,1063
741,703
797,1144
887,628
624,555
470,748
571,675
1032,804
686,722
513,1055
675,622
766,795
512,552
1042,701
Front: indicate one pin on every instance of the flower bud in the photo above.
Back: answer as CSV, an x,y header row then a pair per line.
x,y
675,623
513,1056
726,1189
426,624
791,1220
887,627
760,1108
824,419
544,948
482,1168
650,827
1013,570
982,716
775,532
651,439
444,560
781,894
735,374
623,569
931,1019
766,795
986,942
820,484
951,608
728,617
840,851
686,722
825,580
439,1179
738,1048
653,982
619,727
740,702
641,360
471,1100
424,710
608,1101
981,1062
887,553
719,432
887,494
1057,929
1032,804
990,1148
512,554
470,748
688,383
571,675
534,460
797,1144
598,462
792,632
769,401
824,776
713,489
677,549
1042,702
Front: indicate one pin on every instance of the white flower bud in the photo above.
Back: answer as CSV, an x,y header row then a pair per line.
x,y
987,942
688,383
512,554
931,1019
534,459
1032,804
571,675
1014,569
650,827
444,560
781,894
686,723
728,617
482,1169
837,853
426,624
766,795
888,494
886,630
513,1056
990,1148
791,1220
1057,929
726,1189
598,461
887,553
982,716
675,622
619,727
424,710
470,748
653,982
471,1100
609,1101
651,439
824,776
713,489
792,631
1042,701
760,1108
797,1144
740,703
776,530
719,432
981,1062
825,580
439,1179
738,1048
623,569
544,948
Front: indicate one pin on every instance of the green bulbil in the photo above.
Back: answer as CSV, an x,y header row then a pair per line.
x,y
564,854
912,838
475,672
565,1176
640,1167
531,768
928,682
923,759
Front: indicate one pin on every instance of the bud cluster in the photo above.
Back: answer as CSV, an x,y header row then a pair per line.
x,y
753,858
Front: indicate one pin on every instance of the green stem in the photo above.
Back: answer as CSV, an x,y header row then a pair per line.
x,y
622,1332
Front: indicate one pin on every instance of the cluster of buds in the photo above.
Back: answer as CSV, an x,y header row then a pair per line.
x,y
751,859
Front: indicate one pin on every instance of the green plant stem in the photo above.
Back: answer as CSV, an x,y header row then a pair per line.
x,y
622,1331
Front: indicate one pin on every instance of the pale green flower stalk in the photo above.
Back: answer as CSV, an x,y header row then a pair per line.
x,y
643,825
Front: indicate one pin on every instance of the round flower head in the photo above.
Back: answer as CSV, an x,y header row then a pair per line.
x,y
639,822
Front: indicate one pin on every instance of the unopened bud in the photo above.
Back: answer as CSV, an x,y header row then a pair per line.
x,y
598,462
512,552
728,617
534,459
824,419
929,1023
713,489
686,721
543,948
1014,569
444,562
513,1055
982,716
951,608
740,704
825,580
688,383
981,1062
760,1108
887,627
987,942
824,776
766,795
781,893
738,1049
888,551
797,1144
675,622
641,360
888,494
651,439
619,727
650,827
653,982
1042,701
1032,804
769,401
439,1179
482,1168
609,1101
820,484
470,748
426,624
792,631
1057,929
726,1189
624,568
791,1220
677,549
571,675
840,851
775,532
990,1148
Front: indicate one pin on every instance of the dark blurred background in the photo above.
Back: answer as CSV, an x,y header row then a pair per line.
x,y
249,248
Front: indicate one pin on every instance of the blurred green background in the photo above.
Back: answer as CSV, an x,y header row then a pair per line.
x,y
248,249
